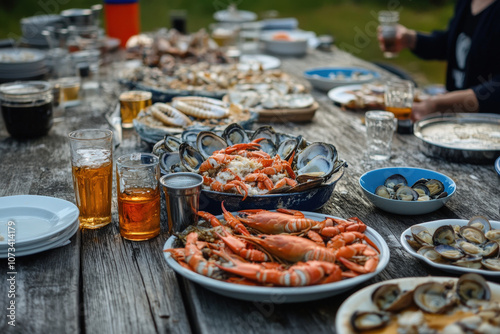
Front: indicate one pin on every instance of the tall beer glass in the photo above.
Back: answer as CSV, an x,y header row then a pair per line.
x,y
92,167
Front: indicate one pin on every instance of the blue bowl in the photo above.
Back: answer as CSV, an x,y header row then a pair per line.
x,y
372,179
321,78
308,200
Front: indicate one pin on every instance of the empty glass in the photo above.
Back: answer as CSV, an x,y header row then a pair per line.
x,y
380,126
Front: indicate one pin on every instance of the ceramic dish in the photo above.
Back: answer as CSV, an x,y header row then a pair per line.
x,y
36,218
326,78
497,165
372,179
55,242
283,294
432,226
359,301
256,61
288,43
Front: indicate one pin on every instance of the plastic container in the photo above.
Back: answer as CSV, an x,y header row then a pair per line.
x,y
122,19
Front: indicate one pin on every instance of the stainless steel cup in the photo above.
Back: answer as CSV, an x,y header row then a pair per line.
x,y
182,195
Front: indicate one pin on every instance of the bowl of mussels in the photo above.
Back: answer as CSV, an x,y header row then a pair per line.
x,y
261,169
407,190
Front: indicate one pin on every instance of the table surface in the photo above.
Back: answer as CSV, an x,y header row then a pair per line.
x,y
101,283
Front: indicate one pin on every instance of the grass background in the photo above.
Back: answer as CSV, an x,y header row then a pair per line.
x,y
352,23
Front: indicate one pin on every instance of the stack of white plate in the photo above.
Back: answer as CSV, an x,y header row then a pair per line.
x,y
22,64
32,28
35,223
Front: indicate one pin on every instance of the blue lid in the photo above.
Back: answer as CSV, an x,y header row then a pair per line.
x,y
119,2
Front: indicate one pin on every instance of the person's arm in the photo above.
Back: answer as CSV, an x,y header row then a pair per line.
x,y
460,101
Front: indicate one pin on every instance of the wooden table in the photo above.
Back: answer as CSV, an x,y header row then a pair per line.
x,y
101,283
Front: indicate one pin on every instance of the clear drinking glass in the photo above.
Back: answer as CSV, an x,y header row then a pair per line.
x,y
131,103
398,98
380,126
92,169
388,20
138,192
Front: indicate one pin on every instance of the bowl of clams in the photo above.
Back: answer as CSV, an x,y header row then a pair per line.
x,y
407,190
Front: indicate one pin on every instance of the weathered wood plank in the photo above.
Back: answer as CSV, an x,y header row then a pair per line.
x,y
47,284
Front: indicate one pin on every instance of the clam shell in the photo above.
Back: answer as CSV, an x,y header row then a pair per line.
x,y
472,286
472,234
444,235
432,297
208,142
363,321
394,180
480,222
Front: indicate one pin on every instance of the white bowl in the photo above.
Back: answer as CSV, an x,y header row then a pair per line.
x,y
372,179
296,46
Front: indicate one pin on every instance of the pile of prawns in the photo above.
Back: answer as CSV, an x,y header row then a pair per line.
x,y
284,249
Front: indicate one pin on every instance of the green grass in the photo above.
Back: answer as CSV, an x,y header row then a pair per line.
x,y
351,22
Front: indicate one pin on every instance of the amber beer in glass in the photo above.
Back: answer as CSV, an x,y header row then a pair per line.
x,y
92,169
139,196
131,103
398,98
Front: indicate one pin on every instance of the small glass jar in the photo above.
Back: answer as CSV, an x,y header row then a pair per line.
x,y
27,108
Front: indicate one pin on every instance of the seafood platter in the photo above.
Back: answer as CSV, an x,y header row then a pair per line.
x,y
189,113
364,97
238,254
407,190
456,245
467,304
263,91
166,49
254,169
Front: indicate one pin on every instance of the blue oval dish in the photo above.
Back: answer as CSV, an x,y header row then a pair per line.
x,y
309,200
497,165
326,78
372,179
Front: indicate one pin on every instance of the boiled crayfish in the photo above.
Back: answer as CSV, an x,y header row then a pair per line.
x,y
282,248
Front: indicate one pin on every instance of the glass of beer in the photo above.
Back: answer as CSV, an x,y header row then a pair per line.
x,y
388,20
92,167
398,98
131,103
138,192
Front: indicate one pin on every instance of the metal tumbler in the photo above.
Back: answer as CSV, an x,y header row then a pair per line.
x,y
182,195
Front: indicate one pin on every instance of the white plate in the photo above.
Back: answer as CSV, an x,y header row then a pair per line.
x,y
282,294
432,226
61,240
361,300
252,61
340,94
37,218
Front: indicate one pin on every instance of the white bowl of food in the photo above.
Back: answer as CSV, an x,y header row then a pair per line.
x,y
287,43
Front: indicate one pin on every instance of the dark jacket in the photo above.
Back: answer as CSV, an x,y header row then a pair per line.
x,y
482,71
